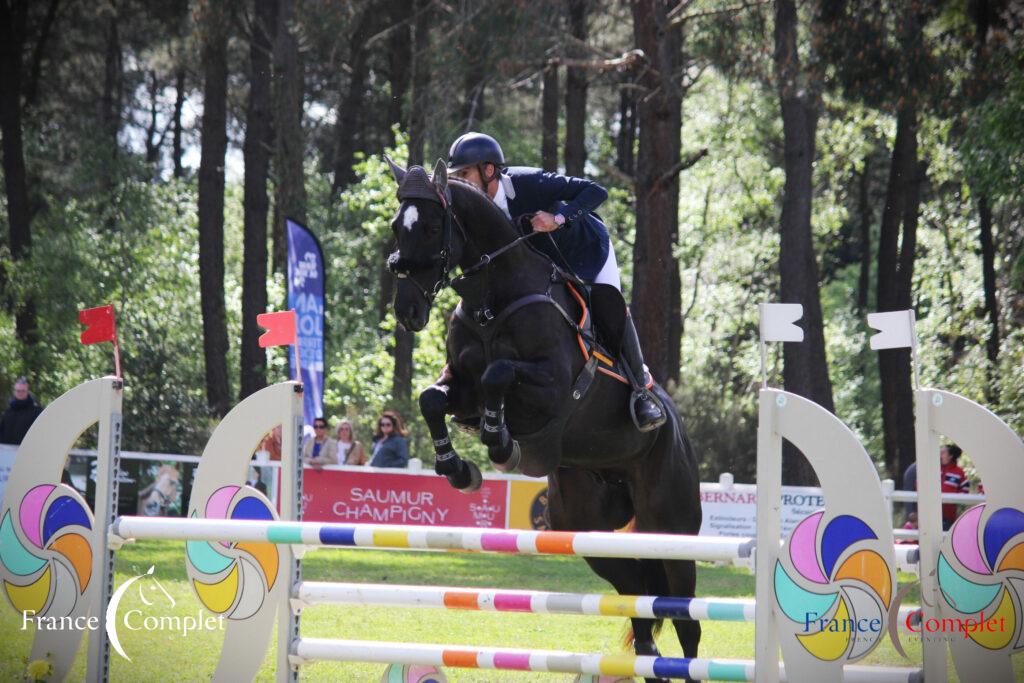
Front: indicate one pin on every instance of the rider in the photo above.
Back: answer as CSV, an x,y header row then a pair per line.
x,y
563,206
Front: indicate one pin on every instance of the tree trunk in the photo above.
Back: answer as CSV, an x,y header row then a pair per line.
x,y
349,128
988,265
153,139
111,100
290,195
549,119
420,96
19,216
474,86
864,205
659,114
179,105
36,68
625,140
576,95
805,367
253,365
399,64
894,364
211,206
896,260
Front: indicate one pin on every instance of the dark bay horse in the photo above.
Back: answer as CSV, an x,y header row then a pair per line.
x,y
514,357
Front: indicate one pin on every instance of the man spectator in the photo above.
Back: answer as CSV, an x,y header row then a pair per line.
x,y
954,480
20,414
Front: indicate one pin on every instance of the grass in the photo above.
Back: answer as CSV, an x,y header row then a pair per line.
x,y
162,655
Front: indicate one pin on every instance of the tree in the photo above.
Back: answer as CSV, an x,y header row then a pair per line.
x,y
350,109
12,35
290,146
258,139
805,367
576,94
549,117
211,203
656,282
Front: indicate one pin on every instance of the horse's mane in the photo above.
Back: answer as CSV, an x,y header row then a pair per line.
x,y
483,200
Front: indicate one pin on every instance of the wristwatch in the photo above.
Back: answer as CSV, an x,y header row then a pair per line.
x,y
559,220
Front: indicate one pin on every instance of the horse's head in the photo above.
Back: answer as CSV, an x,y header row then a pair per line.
x,y
428,243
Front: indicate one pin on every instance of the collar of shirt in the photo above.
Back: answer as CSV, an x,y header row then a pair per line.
x,y
505,192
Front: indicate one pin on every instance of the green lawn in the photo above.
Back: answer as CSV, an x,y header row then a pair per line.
x,y
168,656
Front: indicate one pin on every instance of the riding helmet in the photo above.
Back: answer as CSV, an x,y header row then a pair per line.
x,y
471,149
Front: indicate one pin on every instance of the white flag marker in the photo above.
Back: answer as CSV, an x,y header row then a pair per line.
x,y
895,330
777,322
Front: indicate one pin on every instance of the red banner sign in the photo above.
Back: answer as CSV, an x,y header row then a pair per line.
x,y
384,498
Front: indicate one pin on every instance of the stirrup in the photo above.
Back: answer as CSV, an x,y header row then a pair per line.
x,y
644,395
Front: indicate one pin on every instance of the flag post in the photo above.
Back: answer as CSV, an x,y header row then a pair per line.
x,y
281,330
100,327
777,325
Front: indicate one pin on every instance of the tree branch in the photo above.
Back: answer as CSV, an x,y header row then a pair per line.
x,y
681,19
678,168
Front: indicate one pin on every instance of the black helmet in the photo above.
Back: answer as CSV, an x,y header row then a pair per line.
x,y
471,149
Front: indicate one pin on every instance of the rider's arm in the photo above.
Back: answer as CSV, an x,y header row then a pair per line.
x,y
581,196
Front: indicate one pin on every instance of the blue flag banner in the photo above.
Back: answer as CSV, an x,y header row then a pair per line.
x,y
306,296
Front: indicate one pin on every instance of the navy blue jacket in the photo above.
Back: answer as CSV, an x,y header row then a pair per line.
x,y
583,240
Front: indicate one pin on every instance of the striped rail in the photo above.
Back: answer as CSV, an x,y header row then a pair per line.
x,y
308,593
306,650
584,543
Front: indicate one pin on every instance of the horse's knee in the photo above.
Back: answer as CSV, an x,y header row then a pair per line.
x,y
433,403
498,377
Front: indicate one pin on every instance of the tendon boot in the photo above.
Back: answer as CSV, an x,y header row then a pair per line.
x,y
646,410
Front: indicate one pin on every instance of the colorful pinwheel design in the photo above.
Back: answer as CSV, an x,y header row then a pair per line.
x,y
233,579
981,574
412,673
833,587
45,553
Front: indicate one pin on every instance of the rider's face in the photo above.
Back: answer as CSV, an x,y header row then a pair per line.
x,y
471,175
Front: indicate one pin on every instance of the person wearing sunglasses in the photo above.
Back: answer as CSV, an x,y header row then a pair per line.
x,y
321,449
350,451
390,449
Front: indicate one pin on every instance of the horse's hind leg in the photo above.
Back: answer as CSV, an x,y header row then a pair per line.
x,y
461,474
580,501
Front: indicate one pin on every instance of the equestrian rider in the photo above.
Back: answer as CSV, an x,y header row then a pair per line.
x,y
563,206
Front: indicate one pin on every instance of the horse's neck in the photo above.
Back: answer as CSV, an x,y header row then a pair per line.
x,y
515,273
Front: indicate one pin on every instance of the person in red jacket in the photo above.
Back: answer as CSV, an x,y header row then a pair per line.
x,y
954,480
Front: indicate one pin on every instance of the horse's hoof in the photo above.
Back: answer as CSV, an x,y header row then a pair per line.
x,y
513,459
470,480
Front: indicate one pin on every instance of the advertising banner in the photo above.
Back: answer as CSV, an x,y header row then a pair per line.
x,y
306,297
379,497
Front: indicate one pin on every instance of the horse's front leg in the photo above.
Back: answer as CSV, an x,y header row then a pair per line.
x,y
435,402
496,381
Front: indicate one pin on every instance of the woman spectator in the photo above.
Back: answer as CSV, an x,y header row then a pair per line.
x,y
390,449
350,451
321,449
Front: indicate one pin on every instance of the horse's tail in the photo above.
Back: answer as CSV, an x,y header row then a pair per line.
x,y
628,637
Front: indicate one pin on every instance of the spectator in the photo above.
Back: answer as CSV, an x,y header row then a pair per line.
x,y
272,443
350,451
954,480
390,449
321,449
20,414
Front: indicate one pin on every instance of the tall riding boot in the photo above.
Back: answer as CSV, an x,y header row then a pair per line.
x,y
647,411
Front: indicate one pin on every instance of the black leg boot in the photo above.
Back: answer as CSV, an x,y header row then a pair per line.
x,y
647,411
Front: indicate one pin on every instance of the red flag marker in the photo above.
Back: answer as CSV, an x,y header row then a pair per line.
x,y
281,331
100,327
280,328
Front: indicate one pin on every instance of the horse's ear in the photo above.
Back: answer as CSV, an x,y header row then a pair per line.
x,y
441,176
397,171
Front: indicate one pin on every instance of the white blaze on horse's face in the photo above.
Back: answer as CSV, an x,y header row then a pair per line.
x,y
409,217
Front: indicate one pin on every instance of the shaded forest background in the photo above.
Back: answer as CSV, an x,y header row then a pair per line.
x,y
850,156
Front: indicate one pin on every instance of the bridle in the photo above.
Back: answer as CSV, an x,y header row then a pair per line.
x,y
402,268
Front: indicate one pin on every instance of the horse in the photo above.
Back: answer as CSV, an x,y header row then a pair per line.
x,y
516,357
156,499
